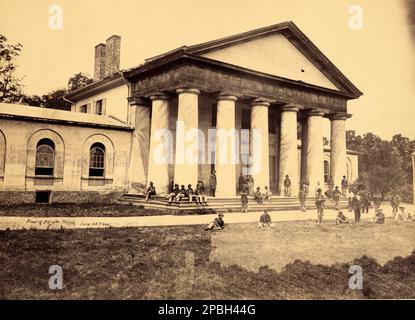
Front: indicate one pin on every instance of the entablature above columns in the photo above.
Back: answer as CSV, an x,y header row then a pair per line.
x,y
214,80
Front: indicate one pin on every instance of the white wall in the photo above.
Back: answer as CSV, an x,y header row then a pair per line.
x,y
273,54
116,103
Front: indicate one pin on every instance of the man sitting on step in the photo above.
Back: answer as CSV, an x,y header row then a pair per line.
x,y
173,194
181,194
258,195
266,196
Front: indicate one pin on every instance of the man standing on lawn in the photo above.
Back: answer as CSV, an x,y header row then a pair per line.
x,y
302,197
320,206
356,205
336,197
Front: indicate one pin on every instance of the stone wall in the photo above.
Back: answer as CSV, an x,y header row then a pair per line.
x,y
27,197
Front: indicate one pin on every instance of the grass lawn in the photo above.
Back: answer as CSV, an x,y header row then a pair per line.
x,y
292,260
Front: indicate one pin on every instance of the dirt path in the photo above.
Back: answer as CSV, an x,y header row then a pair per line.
x,y
16,223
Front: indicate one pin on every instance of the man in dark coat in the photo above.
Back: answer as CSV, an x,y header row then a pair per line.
x,y
212,183
356,206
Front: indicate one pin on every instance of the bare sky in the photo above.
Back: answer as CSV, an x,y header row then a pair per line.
x,y
378,59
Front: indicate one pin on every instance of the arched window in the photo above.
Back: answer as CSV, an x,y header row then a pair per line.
x,y
45,158
326,171
97,160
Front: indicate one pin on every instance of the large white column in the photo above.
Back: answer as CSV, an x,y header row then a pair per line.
x,y
338,167
140,120
315,151
187,156
226,148
259,143
289,149
161,144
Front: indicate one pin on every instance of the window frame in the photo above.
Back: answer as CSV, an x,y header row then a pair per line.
x,y
96,167
49,168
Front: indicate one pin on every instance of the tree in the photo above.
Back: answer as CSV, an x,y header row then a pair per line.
x,y
10,87
54,100
78,81
383,165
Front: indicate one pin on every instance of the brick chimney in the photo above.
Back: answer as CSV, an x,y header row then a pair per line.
x,y
99,69
112,55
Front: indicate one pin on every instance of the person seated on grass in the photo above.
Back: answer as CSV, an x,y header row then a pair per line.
x,y
265,220
173,194
258,195
244,198
151,191
266,196
379,217
402,215
181,194
217,224
341,218
200,194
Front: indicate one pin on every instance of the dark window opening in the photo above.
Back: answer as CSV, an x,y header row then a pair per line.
x,y
246,119
214,115
98,107
83,109
272,123
43,196
97,160
326,171
45,158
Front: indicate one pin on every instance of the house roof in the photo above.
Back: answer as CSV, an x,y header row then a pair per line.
x,y
288,29
194,52
38,114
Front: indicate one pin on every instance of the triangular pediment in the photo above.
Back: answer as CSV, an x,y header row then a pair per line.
x,y
275,55
282,51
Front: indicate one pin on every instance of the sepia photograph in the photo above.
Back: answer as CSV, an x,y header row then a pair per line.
x,y
222,152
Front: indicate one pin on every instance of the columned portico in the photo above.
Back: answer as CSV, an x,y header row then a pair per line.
x,y
315,151
226,148
186,162
338,148
259,143
161,142
288,148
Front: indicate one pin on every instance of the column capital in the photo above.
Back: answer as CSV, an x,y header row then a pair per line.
x,y
339,116
227,96
159,96
260,102
290,108
315,113
188,90
138,101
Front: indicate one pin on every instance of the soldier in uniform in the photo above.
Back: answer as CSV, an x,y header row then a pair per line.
x,y
287,186
302,197
356,205
320,206
212,183
377,199
336,197
344,186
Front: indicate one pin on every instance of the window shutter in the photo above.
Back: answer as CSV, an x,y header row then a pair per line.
x,y
104,106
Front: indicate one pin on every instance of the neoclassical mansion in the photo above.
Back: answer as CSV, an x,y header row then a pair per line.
x,y
134,126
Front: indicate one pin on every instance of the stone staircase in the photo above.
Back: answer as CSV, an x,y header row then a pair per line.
x,y
222,204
